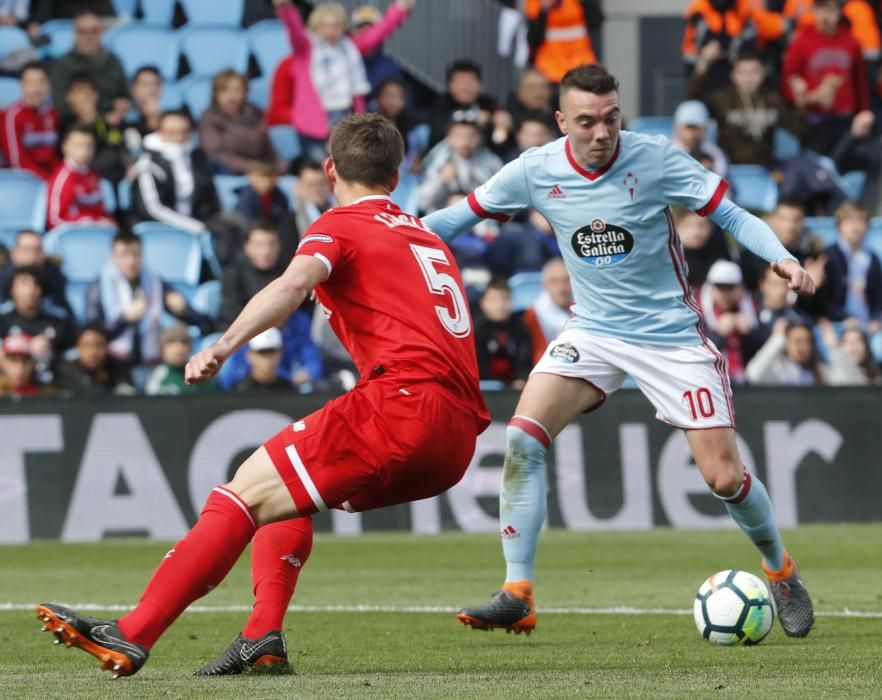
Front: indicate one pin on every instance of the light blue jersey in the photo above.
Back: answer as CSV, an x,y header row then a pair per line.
x,y
616,232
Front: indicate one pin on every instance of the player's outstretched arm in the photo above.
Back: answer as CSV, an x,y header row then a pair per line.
x,y
755,235
271,305
452,221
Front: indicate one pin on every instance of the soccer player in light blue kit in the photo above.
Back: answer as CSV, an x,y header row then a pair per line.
x,y
607,193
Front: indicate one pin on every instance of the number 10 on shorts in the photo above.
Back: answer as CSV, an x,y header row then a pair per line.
x,y
701,403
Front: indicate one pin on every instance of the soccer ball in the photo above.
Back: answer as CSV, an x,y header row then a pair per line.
x,y
733,607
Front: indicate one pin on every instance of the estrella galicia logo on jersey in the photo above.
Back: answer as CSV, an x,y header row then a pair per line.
x,y
565,352
315,238
600,243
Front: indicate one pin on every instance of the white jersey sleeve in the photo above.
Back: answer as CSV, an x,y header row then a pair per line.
x,y
688,183
504,194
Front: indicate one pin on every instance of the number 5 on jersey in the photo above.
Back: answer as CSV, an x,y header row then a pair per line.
x,y
458,323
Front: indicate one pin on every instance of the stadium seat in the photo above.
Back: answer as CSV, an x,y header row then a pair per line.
x,y
525,287
753,187
406,195
23,203
228,12
824,226
173,254
124,195
159,12
207,298
61,37
8,235
75,293
108,192
196,94
876,346
269,45
139,44
258,92
652,126
83,249
127,8
13,39
286,184
874,236
286,142
171,97
209,50
785,145
855,180
226,186
9,92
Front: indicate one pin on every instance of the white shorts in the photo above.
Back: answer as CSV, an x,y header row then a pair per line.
x,y
688,385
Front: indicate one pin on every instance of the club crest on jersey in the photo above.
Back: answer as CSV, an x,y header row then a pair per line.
x,y
565,352
630,182
600,243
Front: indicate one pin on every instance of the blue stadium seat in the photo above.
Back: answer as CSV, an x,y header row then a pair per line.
x,y
228,12
61,37
209,50
83,249
13,39
108,192
226,186
286,142
171,97
75,293
258,92
127,8
9,92
652,126
874,236
139,44
876,346
207,298
8,235
525,287
269,45
196,94
824,226
174,255
406,195
286,184
753,187
855,180
158,11
23,203
124,195
785,145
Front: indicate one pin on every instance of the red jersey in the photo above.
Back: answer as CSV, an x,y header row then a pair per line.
x,y
74,195
395,297
814,55
30,138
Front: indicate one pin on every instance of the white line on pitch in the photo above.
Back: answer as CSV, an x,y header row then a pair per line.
x,y
616,610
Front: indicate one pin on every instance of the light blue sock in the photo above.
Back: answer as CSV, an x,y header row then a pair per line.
x,y
751,508
522,496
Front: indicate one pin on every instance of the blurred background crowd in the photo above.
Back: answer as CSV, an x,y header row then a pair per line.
x,y
161,159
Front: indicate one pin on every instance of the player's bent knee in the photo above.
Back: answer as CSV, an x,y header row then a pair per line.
x,y
726,479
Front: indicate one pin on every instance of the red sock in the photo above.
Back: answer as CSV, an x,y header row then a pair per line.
x,y
278,553
195,565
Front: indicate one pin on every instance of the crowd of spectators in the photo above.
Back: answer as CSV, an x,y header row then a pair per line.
x,y
808,67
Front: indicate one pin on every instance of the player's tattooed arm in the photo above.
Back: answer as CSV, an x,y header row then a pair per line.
x,y
269,307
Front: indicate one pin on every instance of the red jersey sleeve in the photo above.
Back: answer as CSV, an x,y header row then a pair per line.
x,y
324,243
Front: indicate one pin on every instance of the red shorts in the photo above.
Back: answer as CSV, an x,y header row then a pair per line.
x,y
385,442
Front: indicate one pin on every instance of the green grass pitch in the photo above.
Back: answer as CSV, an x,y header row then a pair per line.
x,y
394,648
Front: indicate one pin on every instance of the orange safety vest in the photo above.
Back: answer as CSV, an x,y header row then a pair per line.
x,y
566,44
769,25
859,14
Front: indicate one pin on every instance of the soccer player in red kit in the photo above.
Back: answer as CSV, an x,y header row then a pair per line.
x,y
406,431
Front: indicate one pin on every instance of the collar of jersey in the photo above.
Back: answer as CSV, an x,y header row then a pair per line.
x,y
369,197
592,174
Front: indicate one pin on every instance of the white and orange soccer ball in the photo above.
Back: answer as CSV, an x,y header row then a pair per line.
x,y
733,607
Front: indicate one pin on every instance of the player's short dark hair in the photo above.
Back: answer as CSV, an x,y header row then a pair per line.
x,y
262,225
463,65
146,69
366,148
125,237
27,271
182,113
594,78
33,65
